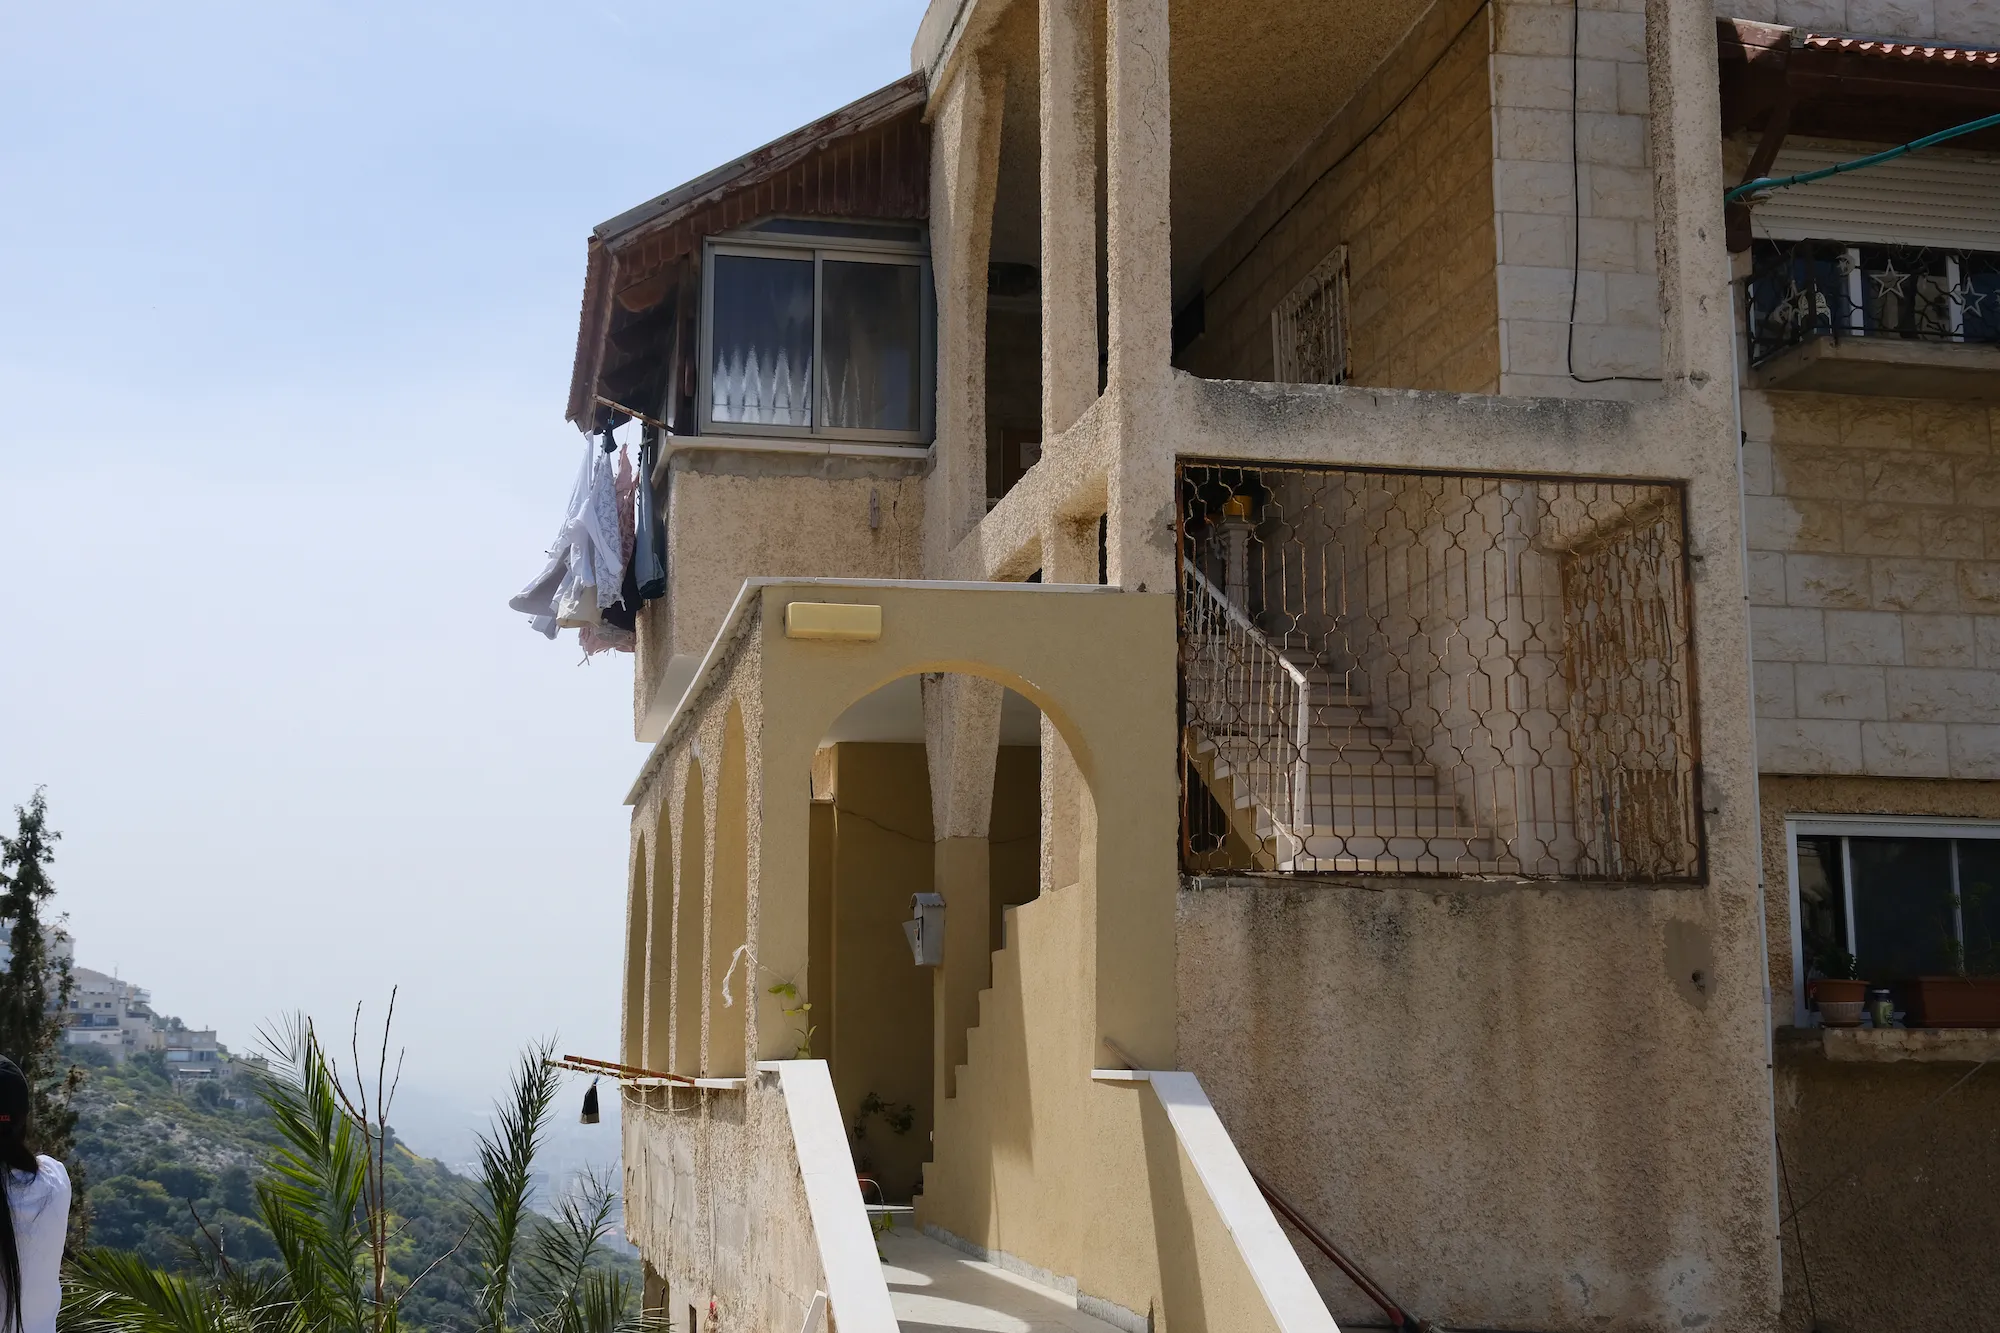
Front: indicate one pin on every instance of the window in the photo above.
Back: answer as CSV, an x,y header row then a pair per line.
x,y
1906,897
1309,327
817,329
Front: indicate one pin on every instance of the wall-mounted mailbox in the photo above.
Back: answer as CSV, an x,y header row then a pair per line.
x,y
925,928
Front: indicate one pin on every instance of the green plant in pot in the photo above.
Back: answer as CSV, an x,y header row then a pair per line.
x,y
1968,994
1838,990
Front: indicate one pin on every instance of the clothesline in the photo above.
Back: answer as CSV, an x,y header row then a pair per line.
x,y
633,413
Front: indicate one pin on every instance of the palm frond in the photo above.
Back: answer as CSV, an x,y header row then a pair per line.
x,y
506,1169
312,1200
107,1291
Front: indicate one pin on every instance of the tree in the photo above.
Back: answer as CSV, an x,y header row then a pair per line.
x,y
35,993
325,1207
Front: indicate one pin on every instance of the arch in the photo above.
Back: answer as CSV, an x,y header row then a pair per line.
x,y
690,916
632,1047
729,909
660,946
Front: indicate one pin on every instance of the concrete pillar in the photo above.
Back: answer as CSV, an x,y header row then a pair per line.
x,y
1069,555
1069,92
961,743
1688,181
965,173
1138,160
1139,248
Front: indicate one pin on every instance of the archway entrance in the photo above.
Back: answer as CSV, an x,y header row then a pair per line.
x,y
876,1013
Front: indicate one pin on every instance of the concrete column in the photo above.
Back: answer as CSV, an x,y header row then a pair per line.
x,y
1069,555
961,743
1139,245
1138,160
965,173
1069,92
1688,182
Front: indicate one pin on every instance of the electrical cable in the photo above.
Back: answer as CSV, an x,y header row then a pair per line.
x,y
1576,210
1766,183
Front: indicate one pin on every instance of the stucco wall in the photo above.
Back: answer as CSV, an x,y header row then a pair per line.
x,y
1972,21
1892,1196
732,516
1501,1101
879,1002
1874,534
1413,202
715,1204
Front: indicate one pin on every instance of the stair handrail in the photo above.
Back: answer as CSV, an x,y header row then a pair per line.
x,y
1293,713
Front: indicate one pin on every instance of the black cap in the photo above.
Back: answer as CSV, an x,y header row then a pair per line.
x,y
14,1099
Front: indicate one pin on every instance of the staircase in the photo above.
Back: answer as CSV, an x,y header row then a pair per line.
x,y
1312,775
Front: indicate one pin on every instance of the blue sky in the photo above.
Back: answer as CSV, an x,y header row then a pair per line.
x,y
288,297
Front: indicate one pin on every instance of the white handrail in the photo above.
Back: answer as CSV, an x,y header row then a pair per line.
x,y
1240,684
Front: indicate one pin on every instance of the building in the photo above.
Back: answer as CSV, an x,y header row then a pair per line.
x,y
1402,632
110,1013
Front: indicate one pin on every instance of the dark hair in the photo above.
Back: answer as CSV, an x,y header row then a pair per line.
x,y
16,1101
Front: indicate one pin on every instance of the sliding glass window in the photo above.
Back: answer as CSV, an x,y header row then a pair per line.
x,y
815,334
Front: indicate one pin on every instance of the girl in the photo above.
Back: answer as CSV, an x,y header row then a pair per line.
x,y
35,1220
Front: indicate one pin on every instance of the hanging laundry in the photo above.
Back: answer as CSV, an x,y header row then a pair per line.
x,y
620,618
586,562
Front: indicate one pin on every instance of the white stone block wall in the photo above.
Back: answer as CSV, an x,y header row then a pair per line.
x,y
1537,195
1972,22
1874,534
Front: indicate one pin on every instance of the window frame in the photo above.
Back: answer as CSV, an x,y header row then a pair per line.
x,y
1863,826
756,243
1329,273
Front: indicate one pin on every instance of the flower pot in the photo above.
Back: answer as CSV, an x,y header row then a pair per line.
x,y
1952,1002
1840,1002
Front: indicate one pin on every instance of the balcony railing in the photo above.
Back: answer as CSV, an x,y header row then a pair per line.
x,y
1802,290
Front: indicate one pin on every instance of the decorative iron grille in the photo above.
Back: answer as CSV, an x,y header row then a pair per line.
x,y
1435,674
1800,290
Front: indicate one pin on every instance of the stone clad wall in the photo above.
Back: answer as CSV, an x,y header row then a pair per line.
x,y
1538,192
1874,534
1402,176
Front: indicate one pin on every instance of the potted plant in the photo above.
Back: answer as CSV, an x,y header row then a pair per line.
x,y
1968,996
1838,989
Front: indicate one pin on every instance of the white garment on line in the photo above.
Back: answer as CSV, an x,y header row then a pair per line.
x,y
40,1205
586,562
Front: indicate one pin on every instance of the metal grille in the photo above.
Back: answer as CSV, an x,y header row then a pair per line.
x,y
1435,674
1801,290
1309,326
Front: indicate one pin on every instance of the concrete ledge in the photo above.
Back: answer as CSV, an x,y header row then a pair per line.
x,y
1894,367
1928,1045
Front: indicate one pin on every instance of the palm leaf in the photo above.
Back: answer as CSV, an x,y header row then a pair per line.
x,y
506,1170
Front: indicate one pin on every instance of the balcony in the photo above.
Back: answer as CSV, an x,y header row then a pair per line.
x,y
1418,674
1902,321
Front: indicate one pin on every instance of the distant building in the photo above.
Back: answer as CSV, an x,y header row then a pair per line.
x,y
117,1017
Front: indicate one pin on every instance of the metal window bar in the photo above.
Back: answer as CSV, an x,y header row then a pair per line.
x,y
1435,674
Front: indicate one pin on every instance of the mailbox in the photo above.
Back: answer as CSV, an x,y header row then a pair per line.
x,y
925,929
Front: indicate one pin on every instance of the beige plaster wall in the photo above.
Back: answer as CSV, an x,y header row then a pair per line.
x,y
878,1000
732,516
1892,1192
1874,534
1975,22
1501,1100
1078,1179
1411,198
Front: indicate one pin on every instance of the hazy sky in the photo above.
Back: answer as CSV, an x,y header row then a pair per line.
x,y
288,297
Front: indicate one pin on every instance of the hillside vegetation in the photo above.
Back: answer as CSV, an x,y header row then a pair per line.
x,y
171,1177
